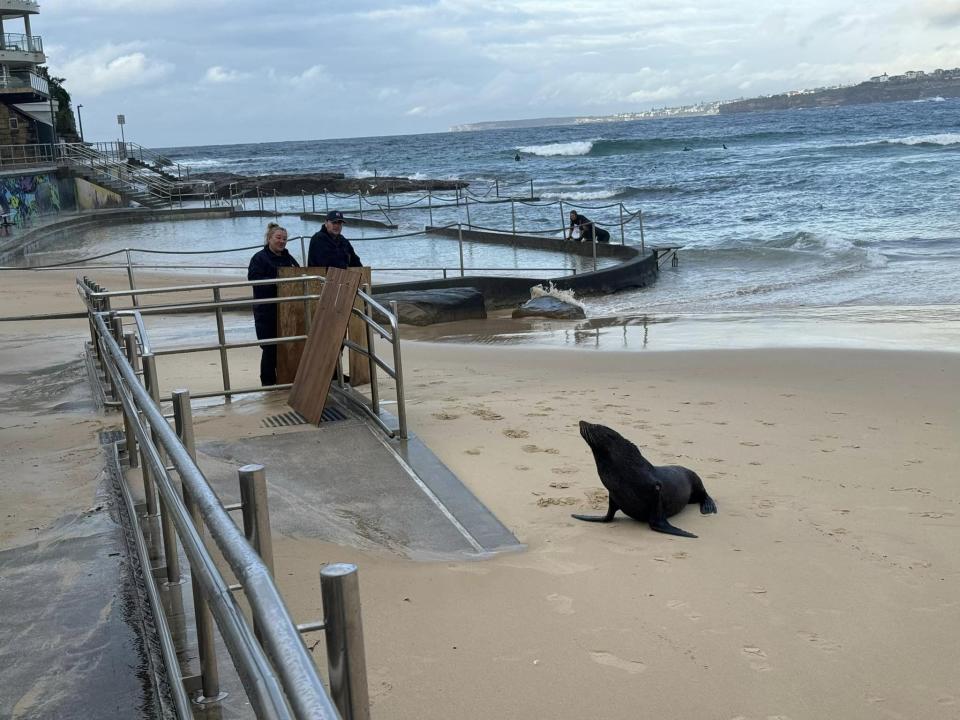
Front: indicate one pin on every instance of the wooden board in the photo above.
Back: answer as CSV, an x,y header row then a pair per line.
x,y
324,342
291,320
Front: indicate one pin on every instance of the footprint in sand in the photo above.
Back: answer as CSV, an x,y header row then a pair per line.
x,y
537,448
560,604
536,414
472,451
547,501
757,658
560,485
820,643
521,467
565,470
485,414
747,443
610,660
511,433
445,415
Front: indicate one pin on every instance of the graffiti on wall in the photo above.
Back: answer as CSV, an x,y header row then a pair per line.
x,y
94,197
26,196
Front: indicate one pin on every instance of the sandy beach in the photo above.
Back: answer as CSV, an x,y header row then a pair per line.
x,y
825,587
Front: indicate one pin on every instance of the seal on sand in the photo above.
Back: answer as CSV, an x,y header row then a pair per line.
x,y
645,492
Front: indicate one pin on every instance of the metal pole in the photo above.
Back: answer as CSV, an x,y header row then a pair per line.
x,y
643,249
374,386
209,674
398,372
430,205
594,248
303,252
360,203
149,489
303,200
497,186
133,283
563,221
275,211
343,626
222,340
622,241
256,513
388,196
531,188
326,201
313,201
130,346
513,215
466,204
460,242
170,553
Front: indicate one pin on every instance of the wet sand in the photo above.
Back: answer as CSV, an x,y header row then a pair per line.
x,y
826,586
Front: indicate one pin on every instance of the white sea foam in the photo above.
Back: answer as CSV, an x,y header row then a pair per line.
x,y
581,147
584,195
205,162
938,139
933,99
566,296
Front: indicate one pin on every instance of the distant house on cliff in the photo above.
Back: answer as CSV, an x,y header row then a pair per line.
x,y
880,78
26,107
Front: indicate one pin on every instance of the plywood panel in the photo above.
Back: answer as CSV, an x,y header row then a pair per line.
x,y
292,321
324,342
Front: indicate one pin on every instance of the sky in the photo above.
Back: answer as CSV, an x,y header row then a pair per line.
x,y
198,72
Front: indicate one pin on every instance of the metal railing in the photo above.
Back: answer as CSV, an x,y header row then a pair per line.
x,y
274,666
23,79
94,295
21,43
14,156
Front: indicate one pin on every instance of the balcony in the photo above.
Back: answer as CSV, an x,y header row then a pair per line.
x,y
23,84
15,47
19,7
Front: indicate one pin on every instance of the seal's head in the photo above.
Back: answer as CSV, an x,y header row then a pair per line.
x,y
609,446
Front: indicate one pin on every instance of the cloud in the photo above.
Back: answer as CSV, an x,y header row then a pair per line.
x,y
219,74
110,68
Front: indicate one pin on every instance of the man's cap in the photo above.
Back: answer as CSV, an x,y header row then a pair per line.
x,y
335,215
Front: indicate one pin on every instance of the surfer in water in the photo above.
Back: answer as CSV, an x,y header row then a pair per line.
x,y
517,156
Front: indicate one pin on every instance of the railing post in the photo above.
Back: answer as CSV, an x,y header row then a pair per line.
x,y
326,201
460,243
622,240
133,284
374,385
430,205
313,201
222,341
343,627
303,200
594,243
398,372
209,674
563,221
531,188
256,512
360,203
497,186
303,252
643,248
513,216
466,204
130,346
170,554
275,210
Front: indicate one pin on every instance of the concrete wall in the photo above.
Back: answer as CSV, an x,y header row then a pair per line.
x,y
636,271
94,197
28,195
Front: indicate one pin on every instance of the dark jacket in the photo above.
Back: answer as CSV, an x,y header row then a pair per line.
x,y
329,251
263,266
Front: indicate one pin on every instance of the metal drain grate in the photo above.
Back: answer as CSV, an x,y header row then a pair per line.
x,y
289,419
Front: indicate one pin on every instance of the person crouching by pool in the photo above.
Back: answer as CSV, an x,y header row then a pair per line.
x,y
328,248
264,266
588,231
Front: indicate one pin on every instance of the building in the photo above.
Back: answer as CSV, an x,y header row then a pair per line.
x,y
26,106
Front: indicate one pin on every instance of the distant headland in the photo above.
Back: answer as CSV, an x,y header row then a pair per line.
x,y
912,85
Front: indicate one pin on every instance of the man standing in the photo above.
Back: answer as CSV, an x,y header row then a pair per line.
x,y
328,248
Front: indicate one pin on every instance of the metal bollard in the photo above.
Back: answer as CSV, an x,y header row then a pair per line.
x,y
460,239
466,204
170,556
209,674
430,205
256,512
130,345
563,221
622,240
643,249
343,626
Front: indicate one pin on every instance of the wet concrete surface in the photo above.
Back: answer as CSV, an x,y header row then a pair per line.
x,y
71,646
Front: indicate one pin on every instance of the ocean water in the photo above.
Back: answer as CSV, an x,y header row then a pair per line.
x,y
849,214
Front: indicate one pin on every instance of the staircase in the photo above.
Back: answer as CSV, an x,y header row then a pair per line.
x,y
134,173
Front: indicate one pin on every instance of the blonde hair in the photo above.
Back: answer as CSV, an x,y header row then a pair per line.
x,y
271,227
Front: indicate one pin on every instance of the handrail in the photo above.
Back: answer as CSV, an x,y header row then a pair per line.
x,y
299,683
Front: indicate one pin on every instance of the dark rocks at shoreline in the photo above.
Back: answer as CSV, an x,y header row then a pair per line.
x,y
311,183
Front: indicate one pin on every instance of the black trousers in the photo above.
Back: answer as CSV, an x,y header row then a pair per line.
x,y
268,365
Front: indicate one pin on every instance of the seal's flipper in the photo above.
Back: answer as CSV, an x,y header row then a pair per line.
x,y
658,521
611,511
707,505
661,525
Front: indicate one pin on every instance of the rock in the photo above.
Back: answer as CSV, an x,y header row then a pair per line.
x,y
311,183
427,307
551,307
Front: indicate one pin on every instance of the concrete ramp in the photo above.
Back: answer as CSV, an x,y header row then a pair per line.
x,y
346,483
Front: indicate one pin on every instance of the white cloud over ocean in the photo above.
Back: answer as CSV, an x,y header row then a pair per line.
x,y
300,70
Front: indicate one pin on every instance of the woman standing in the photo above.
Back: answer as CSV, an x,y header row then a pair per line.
x,y
264,266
